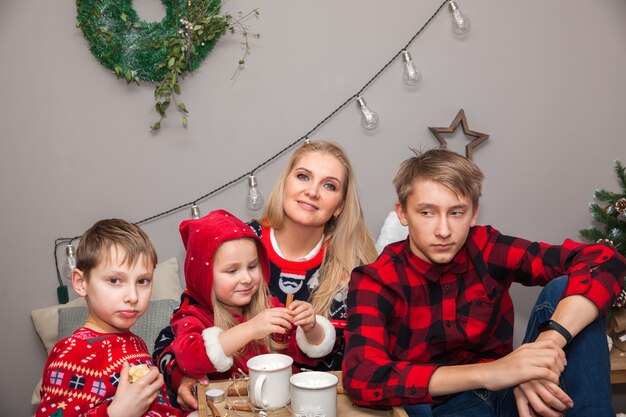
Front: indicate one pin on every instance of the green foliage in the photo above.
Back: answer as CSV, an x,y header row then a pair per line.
x,y
611,214
159,52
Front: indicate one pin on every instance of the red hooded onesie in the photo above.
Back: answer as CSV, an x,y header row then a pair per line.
x,y
196,343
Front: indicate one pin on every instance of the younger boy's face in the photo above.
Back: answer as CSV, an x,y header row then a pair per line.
x,y
438,220
117,293
236,273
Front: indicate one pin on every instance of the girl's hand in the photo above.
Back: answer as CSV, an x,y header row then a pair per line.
x,y
272,320
303,315
133,400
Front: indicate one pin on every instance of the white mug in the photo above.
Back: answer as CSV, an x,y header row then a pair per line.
x,y
314,394
269,380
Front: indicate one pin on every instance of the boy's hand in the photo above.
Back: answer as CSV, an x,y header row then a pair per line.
x,y
133,400
303,315
272,320
541,360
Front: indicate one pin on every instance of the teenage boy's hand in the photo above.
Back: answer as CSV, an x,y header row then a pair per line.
x,y
541,398
133,400
531,361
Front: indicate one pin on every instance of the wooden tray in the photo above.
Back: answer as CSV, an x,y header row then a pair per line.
x,y
345,407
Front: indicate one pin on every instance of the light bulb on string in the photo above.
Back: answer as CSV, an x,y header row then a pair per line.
x,y
460,22
195,211
70,261
369,119
254,200
411,75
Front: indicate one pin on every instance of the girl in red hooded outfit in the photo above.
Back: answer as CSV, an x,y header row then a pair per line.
x,y
227,316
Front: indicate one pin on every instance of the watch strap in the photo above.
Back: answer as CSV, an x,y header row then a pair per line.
x,y
553,325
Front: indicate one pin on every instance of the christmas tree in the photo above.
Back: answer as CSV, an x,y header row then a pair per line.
x,y
612,215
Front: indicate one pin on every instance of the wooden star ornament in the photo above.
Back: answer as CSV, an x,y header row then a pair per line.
x,y
460,118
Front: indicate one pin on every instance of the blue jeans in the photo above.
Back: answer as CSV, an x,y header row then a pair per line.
x,y
586,378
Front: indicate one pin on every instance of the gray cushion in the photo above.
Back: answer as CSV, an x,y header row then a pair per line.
x,y
156,317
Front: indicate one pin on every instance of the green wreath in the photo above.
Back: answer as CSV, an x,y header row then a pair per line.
x,y
122,41
156,51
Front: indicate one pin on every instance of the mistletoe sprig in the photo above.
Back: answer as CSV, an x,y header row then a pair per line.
x,y
201,26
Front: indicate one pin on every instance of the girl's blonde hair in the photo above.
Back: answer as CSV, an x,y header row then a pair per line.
x,y
349,241
259,302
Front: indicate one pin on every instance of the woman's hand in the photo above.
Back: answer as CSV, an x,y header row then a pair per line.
x,y
133,400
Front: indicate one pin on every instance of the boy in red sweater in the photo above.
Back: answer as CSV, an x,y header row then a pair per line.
x,y
88,373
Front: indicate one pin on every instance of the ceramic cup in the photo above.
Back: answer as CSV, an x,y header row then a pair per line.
x,y
314,394
269,380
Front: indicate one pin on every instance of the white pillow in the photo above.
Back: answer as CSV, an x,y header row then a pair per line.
x,y
392,231
166,283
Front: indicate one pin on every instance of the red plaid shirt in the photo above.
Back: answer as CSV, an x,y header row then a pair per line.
x,y
406,316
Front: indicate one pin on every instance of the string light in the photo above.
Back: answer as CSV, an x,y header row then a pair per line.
x,y
460,23
62,289
195,211
369,118
255,200
411,75
70,261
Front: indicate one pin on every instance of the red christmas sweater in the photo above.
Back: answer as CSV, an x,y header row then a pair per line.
x,y
82,373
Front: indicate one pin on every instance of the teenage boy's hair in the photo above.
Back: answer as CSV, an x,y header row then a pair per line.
x,y
97,241
443,166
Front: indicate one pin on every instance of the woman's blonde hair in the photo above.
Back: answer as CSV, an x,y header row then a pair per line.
x,y
350,243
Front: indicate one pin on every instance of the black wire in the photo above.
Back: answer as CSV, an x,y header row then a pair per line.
x,y
403,48
59,241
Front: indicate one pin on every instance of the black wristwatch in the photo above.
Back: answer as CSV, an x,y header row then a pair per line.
x,y
553,325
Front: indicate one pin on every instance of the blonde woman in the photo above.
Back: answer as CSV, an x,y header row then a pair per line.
x,y
315,234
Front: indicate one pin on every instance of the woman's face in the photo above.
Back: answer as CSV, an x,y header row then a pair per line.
x,y
313,190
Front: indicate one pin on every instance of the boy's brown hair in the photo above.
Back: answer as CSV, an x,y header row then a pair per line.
x,y
443,166
97,241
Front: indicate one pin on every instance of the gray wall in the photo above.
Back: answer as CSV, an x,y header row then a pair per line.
x,y
544,78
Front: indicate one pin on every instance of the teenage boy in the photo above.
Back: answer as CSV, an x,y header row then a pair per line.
x,y
430,322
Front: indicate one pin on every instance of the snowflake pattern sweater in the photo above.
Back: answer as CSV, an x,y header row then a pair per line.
x,y
82,373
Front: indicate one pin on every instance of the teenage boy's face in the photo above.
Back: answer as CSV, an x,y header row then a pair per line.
x,y
438,220
117,293
236,273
